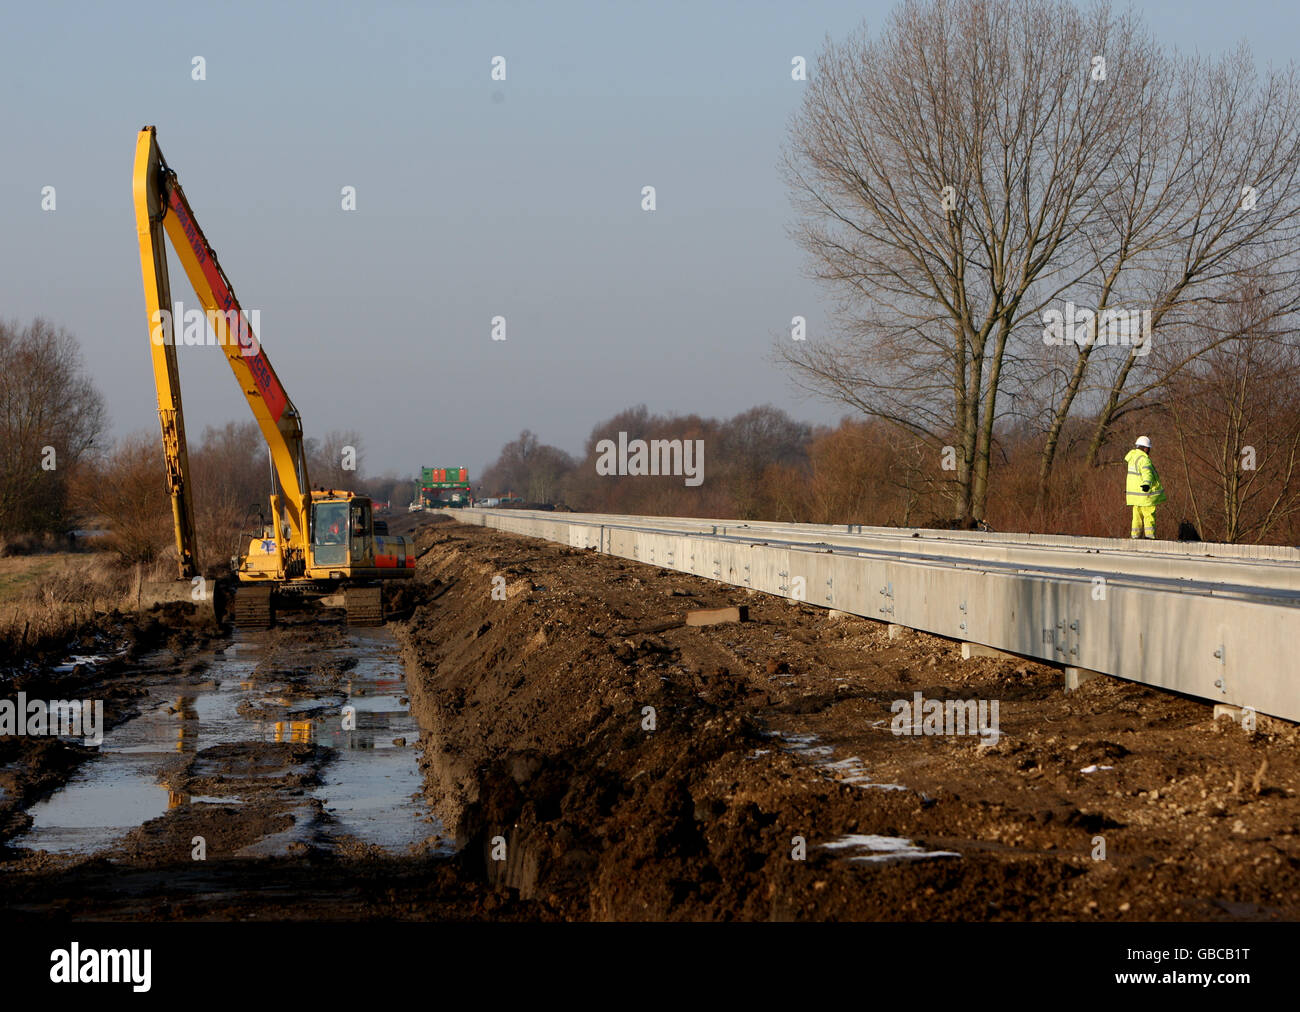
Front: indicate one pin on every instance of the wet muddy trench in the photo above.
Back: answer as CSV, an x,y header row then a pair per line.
x,y
273,744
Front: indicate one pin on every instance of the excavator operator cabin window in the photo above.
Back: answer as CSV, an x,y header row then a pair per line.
x,y
331,527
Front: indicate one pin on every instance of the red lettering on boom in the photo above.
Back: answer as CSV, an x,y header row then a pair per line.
x,y
272,393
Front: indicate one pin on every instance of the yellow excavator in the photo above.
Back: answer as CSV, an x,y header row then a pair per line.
x,y
318,542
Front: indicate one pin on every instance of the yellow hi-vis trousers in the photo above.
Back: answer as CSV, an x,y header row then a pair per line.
x,y
1144,522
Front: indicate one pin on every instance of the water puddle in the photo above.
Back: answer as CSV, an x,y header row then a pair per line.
x,y
851,771
374,791
103,800
81,660
883,848
369,780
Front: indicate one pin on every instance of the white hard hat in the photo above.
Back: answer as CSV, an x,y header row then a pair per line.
x,y
1144,442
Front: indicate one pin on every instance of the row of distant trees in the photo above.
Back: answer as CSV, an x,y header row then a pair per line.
x,y
1226,428
1227,444
59,471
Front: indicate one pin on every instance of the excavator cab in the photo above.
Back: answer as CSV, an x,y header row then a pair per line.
x,y
331,533
342,532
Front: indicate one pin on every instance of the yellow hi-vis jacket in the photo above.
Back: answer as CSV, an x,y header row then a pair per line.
x,y
1142,472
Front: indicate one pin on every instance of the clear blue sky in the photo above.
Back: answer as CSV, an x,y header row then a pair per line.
x,y
475,198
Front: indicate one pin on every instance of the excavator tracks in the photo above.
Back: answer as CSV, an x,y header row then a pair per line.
x,y
365,605
254,607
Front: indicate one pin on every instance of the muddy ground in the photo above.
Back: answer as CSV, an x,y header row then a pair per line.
x,y
131,650
271,847
591,759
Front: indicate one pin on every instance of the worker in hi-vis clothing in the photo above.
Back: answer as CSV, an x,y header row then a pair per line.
x,y
1144,491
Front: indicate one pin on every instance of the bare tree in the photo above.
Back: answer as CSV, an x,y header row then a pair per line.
x,y
230,470
1211,202
334,461
984,161
747,447
1235,416
530,469
51,417
126,493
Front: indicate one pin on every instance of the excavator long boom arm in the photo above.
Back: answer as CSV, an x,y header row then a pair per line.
x,y
161,207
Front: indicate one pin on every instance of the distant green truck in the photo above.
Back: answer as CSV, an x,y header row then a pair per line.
x,y
440,487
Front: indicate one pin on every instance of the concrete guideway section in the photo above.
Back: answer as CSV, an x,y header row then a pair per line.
x,y
1248,580
1230,569
1222,642
838,532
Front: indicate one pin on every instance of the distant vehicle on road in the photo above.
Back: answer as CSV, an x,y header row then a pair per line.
x,y
443,487
415,507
